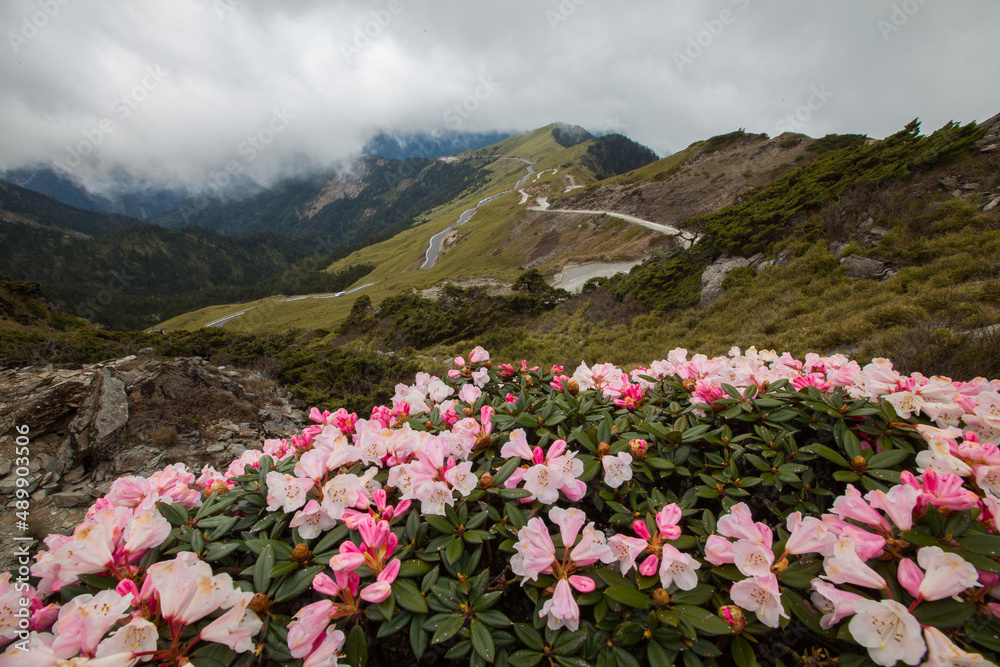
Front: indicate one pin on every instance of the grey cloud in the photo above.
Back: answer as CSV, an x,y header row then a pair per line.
x,y
665,72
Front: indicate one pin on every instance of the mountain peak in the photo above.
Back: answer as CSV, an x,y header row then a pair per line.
x,y
567,135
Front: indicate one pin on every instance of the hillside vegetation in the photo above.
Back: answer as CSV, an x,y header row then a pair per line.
x,y
913,202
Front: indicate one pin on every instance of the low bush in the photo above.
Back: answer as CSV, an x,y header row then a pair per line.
x,y
742,510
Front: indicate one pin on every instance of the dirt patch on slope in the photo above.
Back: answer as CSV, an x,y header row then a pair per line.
x,y
706,184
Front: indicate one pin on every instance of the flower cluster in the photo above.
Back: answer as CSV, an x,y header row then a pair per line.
x,y
690,507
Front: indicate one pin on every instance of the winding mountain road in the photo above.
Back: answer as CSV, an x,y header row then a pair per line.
x,y
434,246
219,323
687,239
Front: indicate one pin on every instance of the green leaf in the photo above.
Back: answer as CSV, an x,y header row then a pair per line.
x,y
219,551
482,640
703,620
453,551
525,658
448,628
408,596
177,515
440,524
419,638
946,613
395,625
357,647
528,636
981,543
827,453
845,476
513,494
885,475
656,463
298,583
262,569
657,655
98,581
282,569
517,518
505,471
570,642
629,596
743,654
888,458
414,568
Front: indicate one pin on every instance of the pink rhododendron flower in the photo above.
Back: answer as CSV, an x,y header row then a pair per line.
x,y
835,604
617,469
898,504
845,567
626,549
561,609
286,492
236,627
888,631
809,535
136,636
940,490
942,652
852,505
678,568
306,630
187,589
327,652
946,574
84,620
760,595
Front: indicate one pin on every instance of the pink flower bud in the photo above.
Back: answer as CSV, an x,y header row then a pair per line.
x,y
127,587
649,566
641,530
910,576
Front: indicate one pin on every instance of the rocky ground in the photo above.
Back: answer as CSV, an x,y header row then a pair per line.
x,y
89,425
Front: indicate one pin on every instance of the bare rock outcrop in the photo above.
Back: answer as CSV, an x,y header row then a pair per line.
x,y
714,275
861,268
88,425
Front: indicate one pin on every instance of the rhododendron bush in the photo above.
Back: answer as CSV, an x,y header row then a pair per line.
x,y
746,509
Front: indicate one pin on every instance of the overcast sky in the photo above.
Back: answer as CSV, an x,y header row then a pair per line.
x,y
170,89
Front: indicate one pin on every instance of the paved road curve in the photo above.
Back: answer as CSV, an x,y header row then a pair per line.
x,y
434,247
222,320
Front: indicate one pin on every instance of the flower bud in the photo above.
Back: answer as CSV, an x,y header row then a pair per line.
x,y
218,486
259,603
638,448
780,566
858,464
572,386
486,481
661,598
733,615
468,412
603,449
301,553
689,385
428,424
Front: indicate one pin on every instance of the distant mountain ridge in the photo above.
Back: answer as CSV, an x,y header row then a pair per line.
x,y
137,202
375,196
402,146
